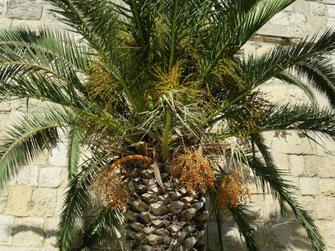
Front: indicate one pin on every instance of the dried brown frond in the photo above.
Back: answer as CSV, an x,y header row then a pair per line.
x,y
110,188
194,170
232,191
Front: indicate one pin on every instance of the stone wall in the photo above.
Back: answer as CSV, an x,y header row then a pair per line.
x,y
31,205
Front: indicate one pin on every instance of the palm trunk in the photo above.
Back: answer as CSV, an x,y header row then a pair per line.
x,y
163,219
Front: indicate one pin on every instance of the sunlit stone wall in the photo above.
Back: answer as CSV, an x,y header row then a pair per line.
x,y
30,206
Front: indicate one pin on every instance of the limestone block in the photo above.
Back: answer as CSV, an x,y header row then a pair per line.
x,y
58,155
293,143
275,93
301,6
49,15
317,24
231,236
5,106
327,230
296,95
327,168
249,48
213,236
51,231
327,187
297,18
281,162
262,48
300,238
318,9
6,229
18,201
309,186
61,193
297,165
309,204
280,19
274,30
44,202
50,177
326,146
2,7
331,10
27,176
326,208
24,10
3,200
277,235
28,232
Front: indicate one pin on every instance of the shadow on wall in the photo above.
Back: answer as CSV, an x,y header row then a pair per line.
x,y
278,234
30,231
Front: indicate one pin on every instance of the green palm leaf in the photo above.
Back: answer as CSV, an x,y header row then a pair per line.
x,y
28,138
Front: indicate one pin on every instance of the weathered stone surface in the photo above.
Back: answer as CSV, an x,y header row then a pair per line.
x,y
44,202
50,177
6,229
327,187
28,176
327,168
294,144
29,232
18,200
58,155
51,231
5,106
326,208
3,200
25,10
309,186
297,165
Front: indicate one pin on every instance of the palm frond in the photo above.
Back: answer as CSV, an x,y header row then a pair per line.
x,y
237,21
320,72
78,14
74,138
244,227
106,225
76,202
28,138
300,118
293,80
268,174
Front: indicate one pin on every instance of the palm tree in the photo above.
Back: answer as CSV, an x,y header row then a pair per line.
x,y
170,110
